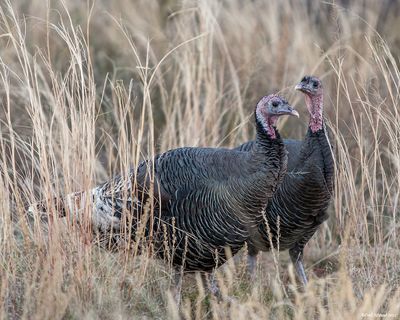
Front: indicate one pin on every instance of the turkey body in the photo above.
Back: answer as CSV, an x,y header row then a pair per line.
x,y
191,204
204,200
300,203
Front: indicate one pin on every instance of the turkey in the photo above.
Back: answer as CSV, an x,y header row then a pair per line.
x,y
300,204
205,200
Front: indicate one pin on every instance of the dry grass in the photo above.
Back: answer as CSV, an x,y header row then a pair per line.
x,y
90,88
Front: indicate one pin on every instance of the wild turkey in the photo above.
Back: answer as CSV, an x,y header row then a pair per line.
x,y
205,199
300,203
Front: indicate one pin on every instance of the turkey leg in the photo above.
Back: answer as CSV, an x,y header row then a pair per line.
x,y
296,255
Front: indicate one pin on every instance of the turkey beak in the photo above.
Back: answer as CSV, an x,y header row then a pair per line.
x,y
288,110
298,86
294,113
302,87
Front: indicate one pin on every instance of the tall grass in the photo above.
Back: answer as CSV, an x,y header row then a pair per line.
x,y
90,89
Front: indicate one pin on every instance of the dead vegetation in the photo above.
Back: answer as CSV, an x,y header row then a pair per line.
x,y
88,89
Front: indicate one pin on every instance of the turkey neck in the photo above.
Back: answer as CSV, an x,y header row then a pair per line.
x,y
316,135
270,155
315,105
316,159
269,144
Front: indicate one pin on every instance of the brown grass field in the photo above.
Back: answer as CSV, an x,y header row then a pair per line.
x,y
90,88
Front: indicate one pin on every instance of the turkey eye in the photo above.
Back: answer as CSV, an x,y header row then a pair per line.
x,y
275,103
315,84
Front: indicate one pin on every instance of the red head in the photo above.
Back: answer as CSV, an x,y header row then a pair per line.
x,y
269,109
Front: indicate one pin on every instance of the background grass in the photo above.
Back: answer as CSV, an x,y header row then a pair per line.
x,y
90,88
